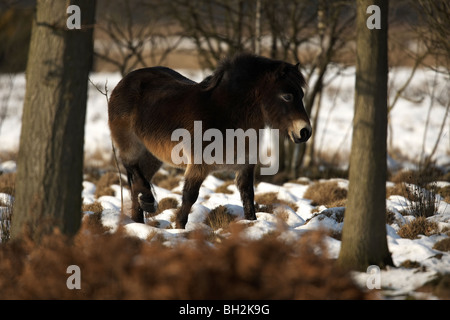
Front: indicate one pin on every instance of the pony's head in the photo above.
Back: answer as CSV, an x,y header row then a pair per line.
x,y
282,102
274,89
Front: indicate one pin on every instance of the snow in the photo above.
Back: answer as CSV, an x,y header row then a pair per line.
x,y
8,166
333,132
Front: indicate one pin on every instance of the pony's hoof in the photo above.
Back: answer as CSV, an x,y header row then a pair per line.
x,y
147,204
181,224
252,217
137,216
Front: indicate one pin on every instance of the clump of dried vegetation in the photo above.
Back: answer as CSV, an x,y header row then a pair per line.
x,y
167,203
168,182
327,193
420,188
92,222
442,245
219,217
95,207
417,226
114,266
104,184
223,188
266,202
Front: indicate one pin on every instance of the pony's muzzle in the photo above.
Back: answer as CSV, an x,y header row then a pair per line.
x,y
301,132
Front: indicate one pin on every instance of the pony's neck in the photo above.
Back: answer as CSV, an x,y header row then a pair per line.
x,y
241,111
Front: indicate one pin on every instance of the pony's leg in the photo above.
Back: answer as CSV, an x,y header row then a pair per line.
x,y
244,183
139,177
193,181
149,165
137,185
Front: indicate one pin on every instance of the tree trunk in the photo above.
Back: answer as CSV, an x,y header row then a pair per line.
x,y
49,175
364,235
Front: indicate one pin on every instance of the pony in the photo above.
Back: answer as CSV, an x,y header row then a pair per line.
x,y
245,92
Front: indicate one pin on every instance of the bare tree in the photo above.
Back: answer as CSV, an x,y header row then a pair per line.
x,y
289,25
334,22
133,34
434,16
434,34
49,175
423,42
218,28
364,234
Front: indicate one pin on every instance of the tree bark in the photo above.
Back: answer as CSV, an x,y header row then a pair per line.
x,y
364,234
49,175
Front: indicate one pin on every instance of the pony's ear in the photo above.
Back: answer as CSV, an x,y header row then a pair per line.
x,y
282,70
298,67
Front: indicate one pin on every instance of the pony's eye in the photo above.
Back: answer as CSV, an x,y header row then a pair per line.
x,y
288,97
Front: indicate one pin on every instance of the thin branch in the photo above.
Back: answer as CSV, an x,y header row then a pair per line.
x,y
432,97
429,157
105,93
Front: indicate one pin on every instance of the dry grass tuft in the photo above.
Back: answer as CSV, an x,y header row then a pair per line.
x,y
443,245
419,177
408,176
168,182
444,192
115,266
423,199
421,190
338,203
326,193
167,203
219,217
390,217
95,207
426,203
269,200
223,188
158,177
410,264
224,175
446,230
419,225
92,222
399,189
105,182
283,215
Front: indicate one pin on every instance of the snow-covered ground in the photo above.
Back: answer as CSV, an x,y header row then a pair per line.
x,y
397,282
414,130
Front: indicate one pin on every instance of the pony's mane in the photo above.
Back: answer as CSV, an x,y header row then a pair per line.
x,y
250,66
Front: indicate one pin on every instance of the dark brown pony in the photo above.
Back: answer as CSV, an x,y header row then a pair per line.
x,y
247,92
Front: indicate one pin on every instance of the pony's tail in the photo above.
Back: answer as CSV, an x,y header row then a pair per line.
x,y
120,177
